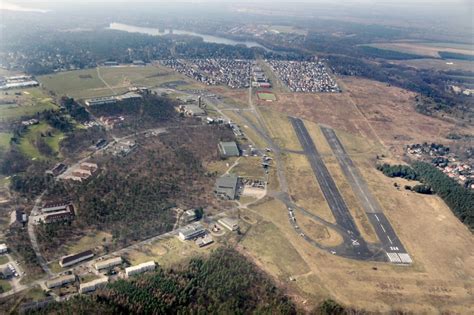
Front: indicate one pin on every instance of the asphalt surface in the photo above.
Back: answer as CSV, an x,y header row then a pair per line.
x,y
392,245
354,245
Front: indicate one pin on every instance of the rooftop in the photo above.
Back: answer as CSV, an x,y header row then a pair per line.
x,y
229,148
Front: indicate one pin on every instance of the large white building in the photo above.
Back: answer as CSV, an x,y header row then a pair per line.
x,y
191,231
93,285
3,248
134,270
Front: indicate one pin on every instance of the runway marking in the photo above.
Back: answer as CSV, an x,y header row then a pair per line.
x,y
389,239
377,217
405,258
394,258
383,228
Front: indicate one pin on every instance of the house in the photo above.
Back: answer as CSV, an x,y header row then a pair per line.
x,y
228,149
60,281
191,231
108,263
229,223
55,206
3,248
70,260
189,215
226,187
146,266
93,285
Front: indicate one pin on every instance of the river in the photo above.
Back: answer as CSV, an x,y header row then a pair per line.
x,y
206,38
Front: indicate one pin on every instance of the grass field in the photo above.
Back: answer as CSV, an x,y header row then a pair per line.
x,y
430,49
90,242
5,285
5,140
90,82
3,259
249,167
281,129
27,141
266,96
30,102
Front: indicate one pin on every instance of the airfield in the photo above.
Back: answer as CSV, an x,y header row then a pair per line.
x,y
357,227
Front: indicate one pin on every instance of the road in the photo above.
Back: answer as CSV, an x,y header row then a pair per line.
x,y
392,245
356,246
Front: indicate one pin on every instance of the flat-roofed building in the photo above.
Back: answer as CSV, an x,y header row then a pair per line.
x,y
3,248
141,268
191,231
60,281
55,206
70,260
229,223
108,263
228,149
101,100
5,271
93,285
226,187
205,240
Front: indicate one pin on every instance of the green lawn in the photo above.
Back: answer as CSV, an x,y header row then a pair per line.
x,y
3,259
266,96
30,150
5,140
5,285
30,102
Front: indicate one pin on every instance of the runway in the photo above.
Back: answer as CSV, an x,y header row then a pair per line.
x,y
392,245
331,193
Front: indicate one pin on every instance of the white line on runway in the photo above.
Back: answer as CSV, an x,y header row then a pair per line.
x,y
383,228
389,239
377,217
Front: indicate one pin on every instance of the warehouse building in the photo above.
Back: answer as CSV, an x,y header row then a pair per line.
x,y
226,187
229,223
228,149
108,263
55,206
70,260
60,281
205,240
141,268
3,248
93,285
101,100
191,231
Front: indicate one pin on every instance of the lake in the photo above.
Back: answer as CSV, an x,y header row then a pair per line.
x,y
206,38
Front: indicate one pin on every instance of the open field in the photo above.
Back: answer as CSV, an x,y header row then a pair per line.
x,y
89,242
281,129
370,110
304,188
318,232
5,285
3,259
425,48
87,83
31,101
266,96
5,140
249,167
444,65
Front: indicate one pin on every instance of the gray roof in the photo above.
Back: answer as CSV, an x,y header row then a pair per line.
x,y
229,148
227,185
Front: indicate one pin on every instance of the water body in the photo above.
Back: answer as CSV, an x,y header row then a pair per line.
x,y
206,38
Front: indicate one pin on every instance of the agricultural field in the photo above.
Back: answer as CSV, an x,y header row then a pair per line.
x,y
103,81
429,49
29,102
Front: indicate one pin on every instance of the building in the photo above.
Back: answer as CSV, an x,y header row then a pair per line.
x,y
101,100
191,110
205,240
141,268
60,216
17,85
93,285
3,248
111,63
229,223
228,149
226,187
58,169
91,167
129,96
189,215
5,272
108,263
55,206
60,281
70,260
191,231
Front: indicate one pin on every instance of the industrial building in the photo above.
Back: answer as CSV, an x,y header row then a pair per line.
x,y
191,231
228,149
109,263
205,240
229,223
60,281
55,206
191,110
3,248
70,260
226,187
93,285
141,268
101,100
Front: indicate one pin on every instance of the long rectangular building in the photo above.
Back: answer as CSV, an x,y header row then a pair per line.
x,y
60,281
141,268
70,260
108,263
191,231
93,285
